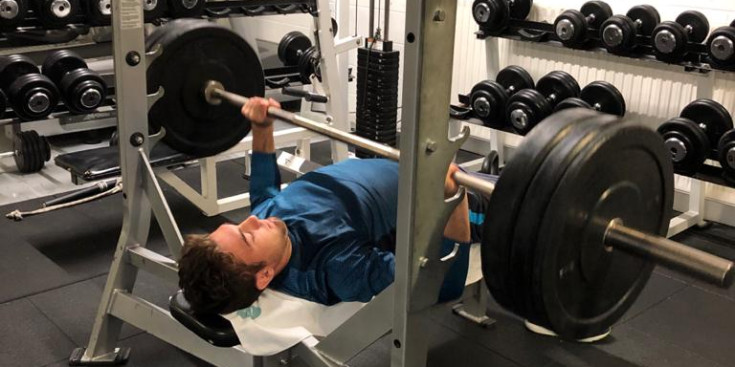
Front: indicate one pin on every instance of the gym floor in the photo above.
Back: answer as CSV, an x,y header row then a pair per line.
x,y
53,268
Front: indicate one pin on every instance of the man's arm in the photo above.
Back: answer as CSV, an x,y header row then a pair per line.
x,y
265,178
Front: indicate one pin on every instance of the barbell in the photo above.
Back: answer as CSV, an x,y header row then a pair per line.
x,y
579,212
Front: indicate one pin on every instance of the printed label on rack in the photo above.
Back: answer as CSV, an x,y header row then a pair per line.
x,y
131,14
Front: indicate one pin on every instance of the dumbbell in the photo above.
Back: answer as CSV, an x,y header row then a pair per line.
x,y
599,96
99,12
292,45
154,9
488,98
572,26
670,39
726,154
56,13
493,15
185,8
309,64
12,13
491,164
721,46
31,94
528,107
30,151
82,89
691,136
618,33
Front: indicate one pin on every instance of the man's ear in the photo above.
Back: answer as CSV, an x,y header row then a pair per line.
x,y
264,276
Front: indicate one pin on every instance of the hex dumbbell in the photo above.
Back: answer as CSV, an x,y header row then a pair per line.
x,y
618,33
599,96
726,154
82,89
528,107
488,98
12,13
31,94
56,13
493,15
572,26
292,45
670,39
691,136
721,46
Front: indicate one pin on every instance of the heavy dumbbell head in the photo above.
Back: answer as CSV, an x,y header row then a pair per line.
x,y
292,45
726,154
721,47
618,33
309,64
12,13
185,8
193,53
31,94
687,143
557,86
99,12
604,97
711,117
492,15
573,102
56,13
670,38
31,151
528,107
488,98
571,26
154,9
82,89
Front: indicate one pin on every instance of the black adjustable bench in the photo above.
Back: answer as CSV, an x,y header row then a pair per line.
x,y
96,164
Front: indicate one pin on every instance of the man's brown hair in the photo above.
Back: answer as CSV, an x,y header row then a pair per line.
x,y
214,281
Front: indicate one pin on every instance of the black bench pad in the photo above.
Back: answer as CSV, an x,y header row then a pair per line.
x,y
95,164
215,329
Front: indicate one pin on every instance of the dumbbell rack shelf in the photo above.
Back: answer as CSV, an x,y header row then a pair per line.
x,y
543,33
696,207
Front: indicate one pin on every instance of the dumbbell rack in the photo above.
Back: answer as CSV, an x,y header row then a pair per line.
x,y
696,208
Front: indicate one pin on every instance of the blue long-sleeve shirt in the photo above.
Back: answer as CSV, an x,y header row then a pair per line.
x,y
336,216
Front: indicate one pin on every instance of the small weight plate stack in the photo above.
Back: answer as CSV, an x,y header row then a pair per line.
x,y
377,94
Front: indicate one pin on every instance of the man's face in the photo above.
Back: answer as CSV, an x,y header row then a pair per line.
x,y
254,240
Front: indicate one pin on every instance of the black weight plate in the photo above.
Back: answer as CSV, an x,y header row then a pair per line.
x,y
505,203
14,66
604,97
185,8
647,15
714,116
61,62
99,12
624,173
491,15
578,30
21,154
532,104
533,204
698,22
21,95
45,149
488,100
520,9
56,15
13,14
36,145
378,121
291,47
516,77
377,54
614,43
154,9
77,88
195,52
559,83
726,153
695,143
572,102
601,11
376,132
491,164
678,50
722,54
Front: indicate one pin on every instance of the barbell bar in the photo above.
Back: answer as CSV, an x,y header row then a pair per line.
x,y
661,250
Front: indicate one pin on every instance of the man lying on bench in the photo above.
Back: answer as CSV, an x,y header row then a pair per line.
x,y
328,237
